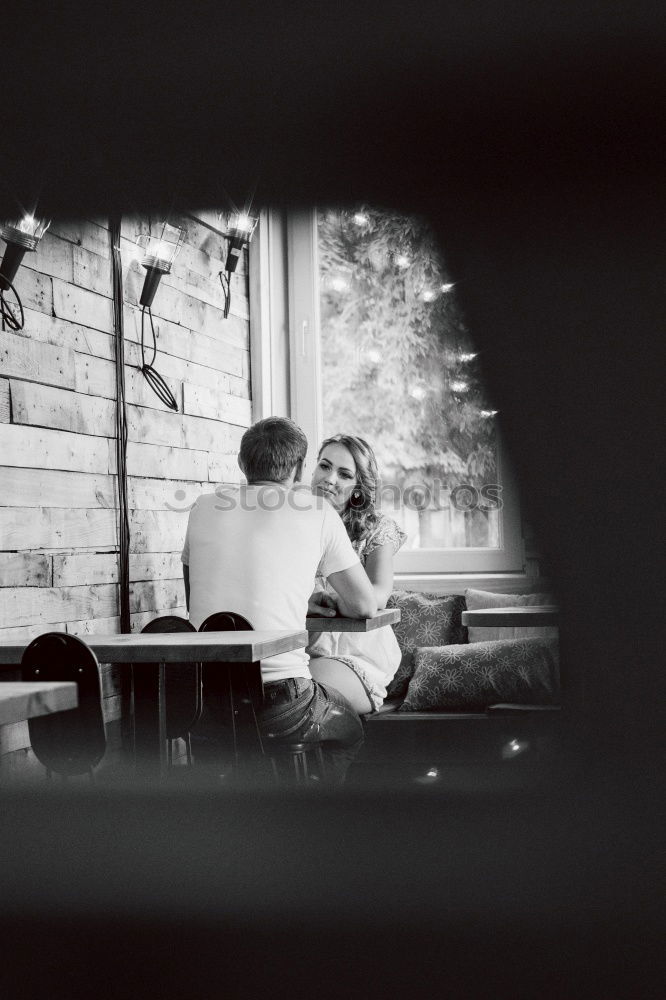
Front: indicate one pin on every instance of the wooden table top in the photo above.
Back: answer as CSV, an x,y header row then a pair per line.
x,y
388,616
20,701
176,647
545,614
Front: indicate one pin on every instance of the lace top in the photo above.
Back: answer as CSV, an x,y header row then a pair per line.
x,y
385,530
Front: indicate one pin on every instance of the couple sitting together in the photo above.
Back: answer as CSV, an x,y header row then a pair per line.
x,y
272,550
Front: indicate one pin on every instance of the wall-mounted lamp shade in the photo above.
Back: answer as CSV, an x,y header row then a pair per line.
x,y
159,253
20,236
241,228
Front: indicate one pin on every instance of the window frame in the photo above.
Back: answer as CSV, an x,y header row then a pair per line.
x,y
292,268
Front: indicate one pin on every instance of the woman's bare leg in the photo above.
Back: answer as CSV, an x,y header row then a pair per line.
x,y
338,675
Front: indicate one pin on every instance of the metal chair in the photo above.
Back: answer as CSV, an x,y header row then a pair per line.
x,y
240,693
182,688
226,621
247,692
73,742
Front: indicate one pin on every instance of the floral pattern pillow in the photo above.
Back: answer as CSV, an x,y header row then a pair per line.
x,y
427,620
474,675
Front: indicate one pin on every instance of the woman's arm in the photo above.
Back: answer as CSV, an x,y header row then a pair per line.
x,y
379,567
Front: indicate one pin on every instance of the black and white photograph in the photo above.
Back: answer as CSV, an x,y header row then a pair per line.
x,y
331,500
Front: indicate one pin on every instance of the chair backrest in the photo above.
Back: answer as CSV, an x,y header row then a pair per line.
x,y
225,621
182,683
169,623
231,621
71,742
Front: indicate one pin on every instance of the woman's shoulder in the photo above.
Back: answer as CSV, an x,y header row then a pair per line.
x,y
383,523
385,530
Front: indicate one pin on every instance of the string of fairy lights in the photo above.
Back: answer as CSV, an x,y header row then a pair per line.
x,y
424,289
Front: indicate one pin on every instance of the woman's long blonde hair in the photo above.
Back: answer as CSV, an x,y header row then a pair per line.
x,y
359,516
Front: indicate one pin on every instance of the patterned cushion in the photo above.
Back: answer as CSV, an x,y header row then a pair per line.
x,y
478,674
427,620
479,599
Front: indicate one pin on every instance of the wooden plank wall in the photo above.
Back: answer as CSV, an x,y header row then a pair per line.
x,y
58,489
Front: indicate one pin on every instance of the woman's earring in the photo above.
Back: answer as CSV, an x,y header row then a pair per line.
x,y
356,499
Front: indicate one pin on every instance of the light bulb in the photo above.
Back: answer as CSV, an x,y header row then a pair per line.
x,y
459,386
160,249
159,252
25,232
513,748
338,283
447,288
242,224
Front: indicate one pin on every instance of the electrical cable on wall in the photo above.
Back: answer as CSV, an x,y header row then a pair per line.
x,y
12,314
225,281
121,428
126,695
151,375
159,254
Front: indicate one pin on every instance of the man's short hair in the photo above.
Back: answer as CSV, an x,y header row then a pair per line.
x,y
270,450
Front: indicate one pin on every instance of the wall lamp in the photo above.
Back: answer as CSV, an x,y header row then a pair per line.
x,y
20,236
239,233
159,253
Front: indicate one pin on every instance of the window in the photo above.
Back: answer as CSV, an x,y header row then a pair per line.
x,y
378,347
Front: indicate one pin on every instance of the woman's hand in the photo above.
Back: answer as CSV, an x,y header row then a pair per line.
x,y
322,604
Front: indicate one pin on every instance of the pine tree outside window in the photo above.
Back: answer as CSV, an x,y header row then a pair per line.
x,y
379,348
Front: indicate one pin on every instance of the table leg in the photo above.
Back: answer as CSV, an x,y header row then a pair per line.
x,y
233,694
150,747
246,697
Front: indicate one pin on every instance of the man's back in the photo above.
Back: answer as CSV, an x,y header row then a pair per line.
x,y
255,550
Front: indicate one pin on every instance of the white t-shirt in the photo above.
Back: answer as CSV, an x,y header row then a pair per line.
x,y
256,550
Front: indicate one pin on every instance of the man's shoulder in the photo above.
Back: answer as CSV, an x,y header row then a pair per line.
x,y
205,499
220,498
273,498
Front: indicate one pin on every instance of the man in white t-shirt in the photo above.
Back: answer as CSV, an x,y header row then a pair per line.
x,y
255,550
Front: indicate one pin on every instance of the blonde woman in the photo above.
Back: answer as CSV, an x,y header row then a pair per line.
x,y
358,664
